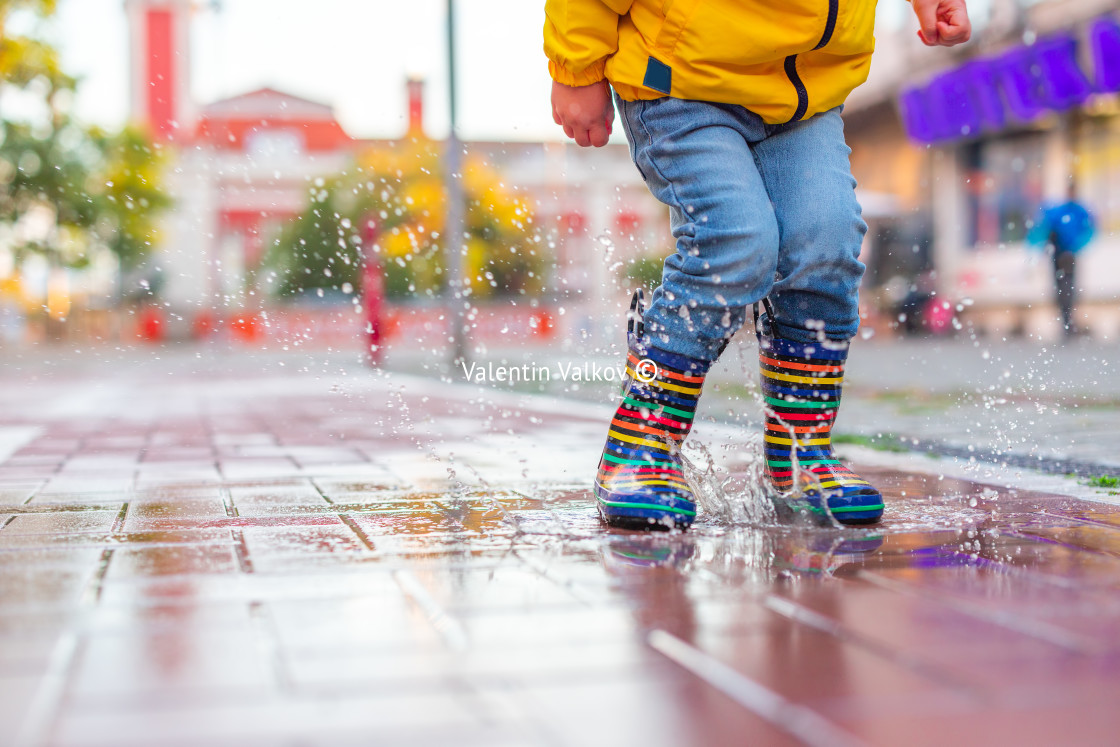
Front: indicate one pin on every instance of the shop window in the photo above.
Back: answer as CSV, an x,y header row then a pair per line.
x,y
1098,171
1003,188
274,145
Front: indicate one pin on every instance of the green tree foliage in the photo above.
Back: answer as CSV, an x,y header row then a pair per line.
x,y
25,60
644,272
67,191
128,198
320,249
44,176
395,197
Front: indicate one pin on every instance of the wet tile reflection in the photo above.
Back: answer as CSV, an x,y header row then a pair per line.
x,y
254,607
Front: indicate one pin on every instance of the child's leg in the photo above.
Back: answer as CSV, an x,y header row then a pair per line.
x,y
809,179
805,169
696,158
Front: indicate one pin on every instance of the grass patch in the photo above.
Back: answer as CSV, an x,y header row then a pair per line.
x,y
1103,481
917,402
886,442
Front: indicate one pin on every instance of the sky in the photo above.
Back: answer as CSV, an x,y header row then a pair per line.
x,y
352,54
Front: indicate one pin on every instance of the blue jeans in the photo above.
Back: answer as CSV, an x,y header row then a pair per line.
x,y
757,211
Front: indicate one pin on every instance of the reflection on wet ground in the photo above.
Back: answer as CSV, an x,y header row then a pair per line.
x,y
269,567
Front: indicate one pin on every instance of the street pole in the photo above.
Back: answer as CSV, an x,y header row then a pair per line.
x,y
453,229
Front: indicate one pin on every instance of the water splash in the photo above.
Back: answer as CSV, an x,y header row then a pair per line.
x,y
725,499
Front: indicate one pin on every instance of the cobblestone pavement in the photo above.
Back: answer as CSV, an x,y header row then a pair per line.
x,y
260,550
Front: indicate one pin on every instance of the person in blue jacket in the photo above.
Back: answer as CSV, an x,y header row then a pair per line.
x,y
1065,229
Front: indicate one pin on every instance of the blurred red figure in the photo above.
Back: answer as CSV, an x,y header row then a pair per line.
x,y
150,324
204,326
373,295
246,327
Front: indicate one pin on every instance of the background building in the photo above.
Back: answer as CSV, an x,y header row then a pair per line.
x,y
243,167
968,143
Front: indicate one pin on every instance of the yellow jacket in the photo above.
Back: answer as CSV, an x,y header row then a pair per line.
x,y
781,59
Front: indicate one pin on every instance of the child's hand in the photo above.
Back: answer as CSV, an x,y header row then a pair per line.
x,y
944,22
585,112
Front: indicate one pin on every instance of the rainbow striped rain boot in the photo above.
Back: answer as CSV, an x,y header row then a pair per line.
x,y
801,385
640,483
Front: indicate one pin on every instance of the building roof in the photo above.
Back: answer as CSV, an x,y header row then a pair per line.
x,y
229,123
268,102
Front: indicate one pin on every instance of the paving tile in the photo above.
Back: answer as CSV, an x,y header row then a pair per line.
x,y
345,490
60,523
98,463
172,560
61,485
504,588
16,492
1042,725
171,665
22,589
17,694
333,539
183,613
175,454
52,460
246,469
416,669
671,710
185,471
41,559
170,511
274,501
271,720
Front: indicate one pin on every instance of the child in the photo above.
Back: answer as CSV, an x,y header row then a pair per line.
x,y
732,110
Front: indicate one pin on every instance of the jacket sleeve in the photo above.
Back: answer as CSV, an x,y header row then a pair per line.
x,y
579,36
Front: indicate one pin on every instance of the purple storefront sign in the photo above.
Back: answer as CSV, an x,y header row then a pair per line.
x,y
1018,86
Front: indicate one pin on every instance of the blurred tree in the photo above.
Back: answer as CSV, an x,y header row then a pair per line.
x,y
25,60
644,272
128,195
43,175
67,191
318,250
395,197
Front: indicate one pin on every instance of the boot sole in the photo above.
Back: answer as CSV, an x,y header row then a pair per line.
x,y
870,513
626,513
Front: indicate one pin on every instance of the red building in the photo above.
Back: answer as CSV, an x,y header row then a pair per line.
x,y
243,167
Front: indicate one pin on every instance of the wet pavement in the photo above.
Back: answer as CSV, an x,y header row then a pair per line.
x,y
1053,406
270,551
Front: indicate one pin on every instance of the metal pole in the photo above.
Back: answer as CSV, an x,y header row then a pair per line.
x,y
453,229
